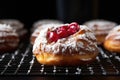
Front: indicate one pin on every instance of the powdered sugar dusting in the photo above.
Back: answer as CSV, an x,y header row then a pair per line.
x,y
6,30
117,28
115,32
117,38
13,23
67,45
100,27
100,24
5,27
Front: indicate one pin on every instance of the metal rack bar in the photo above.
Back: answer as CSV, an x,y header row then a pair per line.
x,y
22,62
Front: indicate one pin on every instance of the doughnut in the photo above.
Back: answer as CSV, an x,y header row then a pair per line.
x,y
35,34
100,28
43,22
112,40
9,39
65,45
17,25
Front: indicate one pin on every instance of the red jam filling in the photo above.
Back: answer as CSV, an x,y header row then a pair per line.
x,y
62,32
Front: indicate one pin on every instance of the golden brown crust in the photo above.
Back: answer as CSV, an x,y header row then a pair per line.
x,y
112,44
67,60
100,38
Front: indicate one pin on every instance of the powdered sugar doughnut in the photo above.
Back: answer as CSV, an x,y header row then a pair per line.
x,y
101,28
17,25
112,40
8,38
76,47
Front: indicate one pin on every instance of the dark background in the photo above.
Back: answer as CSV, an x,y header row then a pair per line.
x,y
30,11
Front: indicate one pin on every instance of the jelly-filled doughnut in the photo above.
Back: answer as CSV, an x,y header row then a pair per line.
x,y
65,45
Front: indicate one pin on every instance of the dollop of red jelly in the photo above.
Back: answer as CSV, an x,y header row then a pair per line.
x,y
62,32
